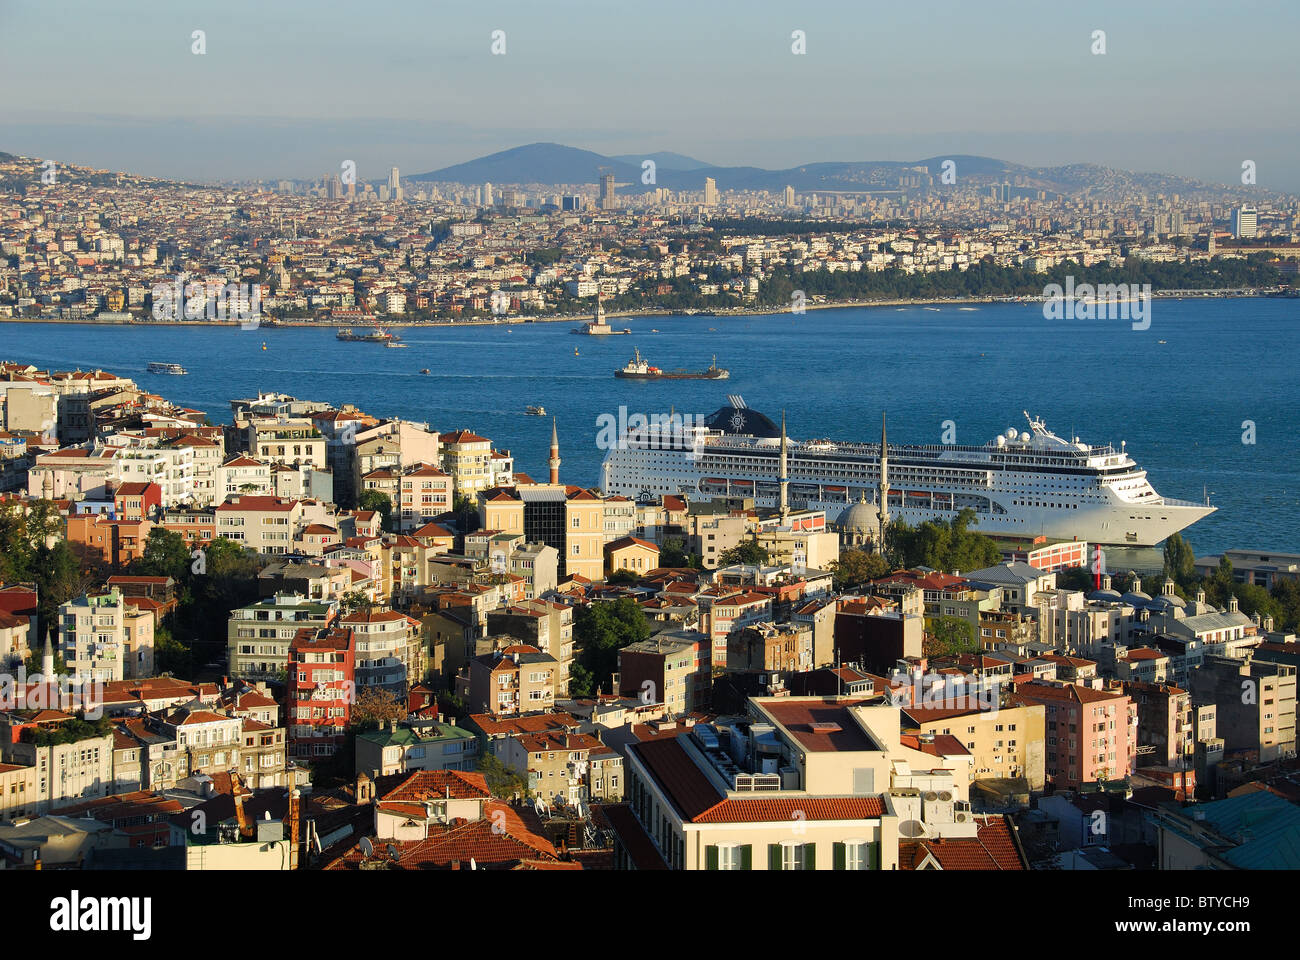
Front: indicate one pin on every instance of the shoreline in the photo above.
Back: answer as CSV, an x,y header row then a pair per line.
x,y
724,313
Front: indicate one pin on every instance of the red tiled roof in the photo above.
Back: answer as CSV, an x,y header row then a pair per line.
x,y
439,784
994,848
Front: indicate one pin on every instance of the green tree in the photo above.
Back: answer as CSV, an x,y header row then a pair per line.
x,y
1180,560
59,578
622,577
941,545
856,567
947,636
601,630
380,502
501,780
581,681
166,554
170,655
354,600
750,552
673,553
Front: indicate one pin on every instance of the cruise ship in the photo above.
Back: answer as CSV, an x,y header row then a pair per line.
x,y
1024,483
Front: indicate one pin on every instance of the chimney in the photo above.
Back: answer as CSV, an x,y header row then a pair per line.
x,y
245,827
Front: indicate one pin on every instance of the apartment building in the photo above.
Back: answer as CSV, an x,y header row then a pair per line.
x,y
64,772
1091,735
467,458
258,635
424,493
517,679
1255,704
267,525
290,441
558,766
1166,730
321,691
242,475
1074,624
417,745
103,638
723,610
389,649
669,668
767,647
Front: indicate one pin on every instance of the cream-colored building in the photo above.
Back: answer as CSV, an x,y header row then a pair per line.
x,y
467,457
287,441
802,783
102,638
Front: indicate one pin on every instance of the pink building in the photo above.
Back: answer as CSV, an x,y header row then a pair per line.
x,y
1091,734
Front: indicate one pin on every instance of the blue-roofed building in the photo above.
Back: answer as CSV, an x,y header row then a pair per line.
x,y
1254,831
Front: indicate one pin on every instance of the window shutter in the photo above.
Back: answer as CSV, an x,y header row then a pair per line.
x,y
873,856
746,857
810,856
839,856
774,856
710,858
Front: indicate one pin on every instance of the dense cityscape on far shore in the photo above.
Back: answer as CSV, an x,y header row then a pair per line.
x,y
78,244
317,638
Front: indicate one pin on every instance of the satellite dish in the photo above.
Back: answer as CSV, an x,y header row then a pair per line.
x,y
392,852
911,828
472,864
367,848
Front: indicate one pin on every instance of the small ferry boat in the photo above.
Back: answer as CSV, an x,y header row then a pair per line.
x,y
638,369
173,368
394,345
535,410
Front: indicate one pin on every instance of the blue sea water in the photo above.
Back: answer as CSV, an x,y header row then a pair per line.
x,y
1180,405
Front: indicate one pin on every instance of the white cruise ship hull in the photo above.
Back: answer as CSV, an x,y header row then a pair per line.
x,y
1036,487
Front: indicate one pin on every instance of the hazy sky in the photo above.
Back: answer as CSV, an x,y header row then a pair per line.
x,y
291,89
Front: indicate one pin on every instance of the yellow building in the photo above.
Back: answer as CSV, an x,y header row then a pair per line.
x,y
1007,742
631,554
468,458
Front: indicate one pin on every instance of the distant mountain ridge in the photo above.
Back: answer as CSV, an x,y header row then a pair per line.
x,y
554,163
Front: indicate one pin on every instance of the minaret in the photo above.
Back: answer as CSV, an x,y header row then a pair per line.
x,y
47,662
554,462
882,514
784,478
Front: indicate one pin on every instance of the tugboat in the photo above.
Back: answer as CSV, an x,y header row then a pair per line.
x,y
380,335
535,411
597,327
638,369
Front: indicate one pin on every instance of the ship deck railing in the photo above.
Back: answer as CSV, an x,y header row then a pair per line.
x,y
935,450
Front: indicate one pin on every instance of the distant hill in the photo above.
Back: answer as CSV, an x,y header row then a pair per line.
x,y
667,161
554,163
